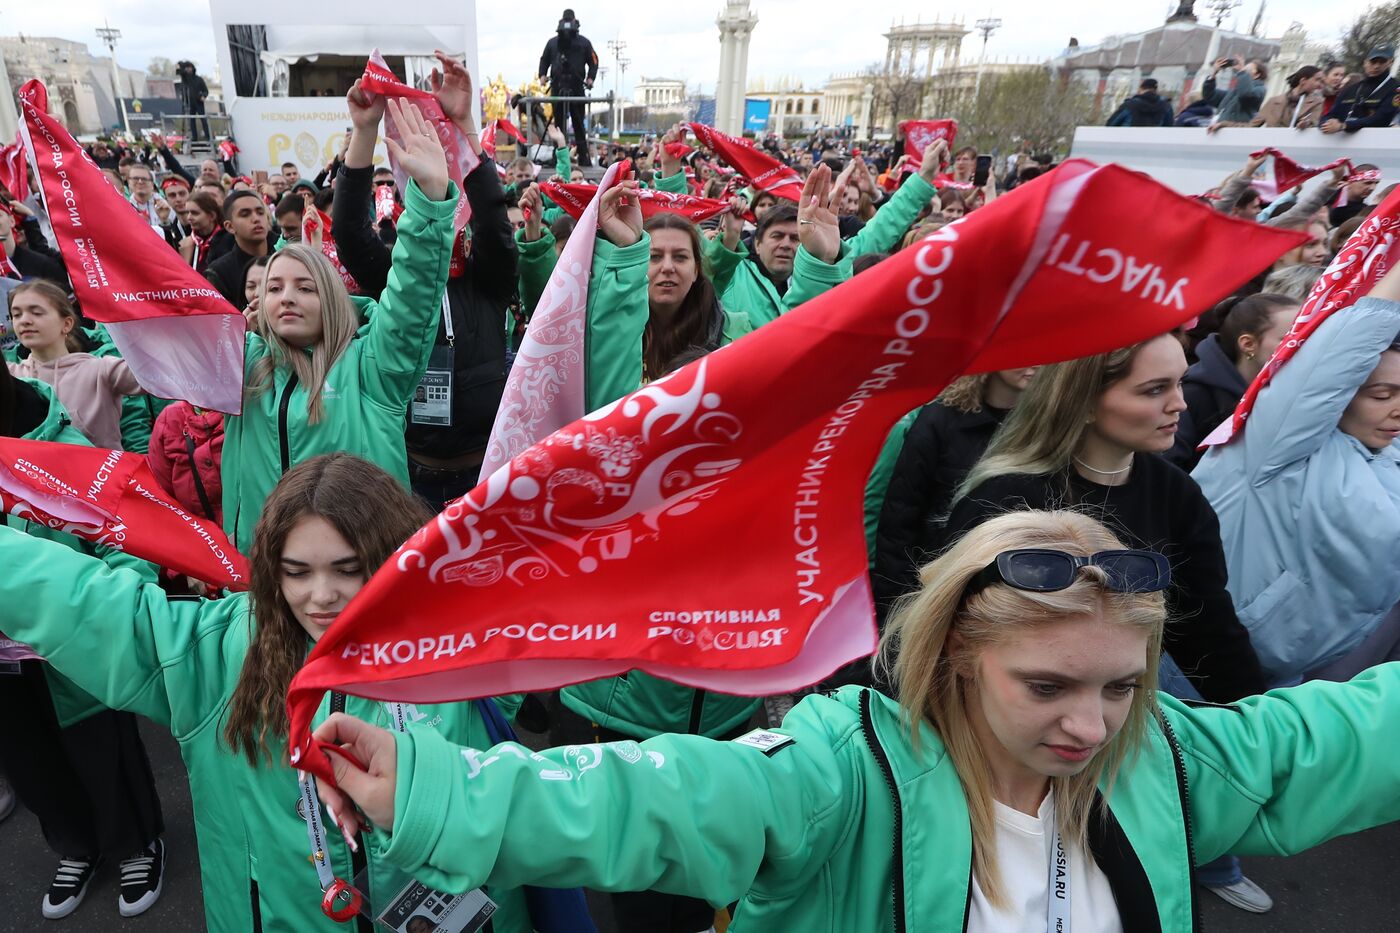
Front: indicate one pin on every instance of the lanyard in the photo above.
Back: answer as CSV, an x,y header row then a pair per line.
x,y
447,321
1057,912
335,890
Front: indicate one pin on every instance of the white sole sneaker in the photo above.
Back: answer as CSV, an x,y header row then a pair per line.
x,y
143,905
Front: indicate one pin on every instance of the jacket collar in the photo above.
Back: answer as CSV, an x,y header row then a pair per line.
x,y
1141,847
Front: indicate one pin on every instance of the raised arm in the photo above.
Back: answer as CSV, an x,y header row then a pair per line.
x,y
1279,773
404,326
111,630
618,308
893,218
363,253
1296,413
1320,196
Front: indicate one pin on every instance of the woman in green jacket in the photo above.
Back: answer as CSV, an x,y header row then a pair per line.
x,y
215,672
1027,724
316,381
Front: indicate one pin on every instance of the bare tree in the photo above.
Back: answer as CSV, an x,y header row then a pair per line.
x,y
161,68
897,96
1025,109
1380,25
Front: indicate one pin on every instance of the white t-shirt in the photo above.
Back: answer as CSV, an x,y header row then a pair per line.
x,y
1023,854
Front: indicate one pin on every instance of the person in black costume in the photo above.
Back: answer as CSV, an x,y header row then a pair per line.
x,y
571,66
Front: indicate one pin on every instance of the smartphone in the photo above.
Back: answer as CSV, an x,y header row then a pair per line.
x,y
259,177
984,168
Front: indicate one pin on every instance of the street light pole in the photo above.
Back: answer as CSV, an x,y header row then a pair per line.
x,y
617,47
110,36
986,27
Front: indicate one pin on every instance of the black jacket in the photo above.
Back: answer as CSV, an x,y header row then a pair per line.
x,y
1142,110
477,301
226,273
569,62
36,258
192,91
940,447
1162,509
1368,102
1213,387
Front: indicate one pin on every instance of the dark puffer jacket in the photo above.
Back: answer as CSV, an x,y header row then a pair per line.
x,y
1213,387
942,445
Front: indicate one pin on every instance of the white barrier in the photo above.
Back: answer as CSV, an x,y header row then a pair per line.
x,y
1192,161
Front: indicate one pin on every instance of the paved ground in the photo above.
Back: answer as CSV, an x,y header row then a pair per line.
x,y
1348,886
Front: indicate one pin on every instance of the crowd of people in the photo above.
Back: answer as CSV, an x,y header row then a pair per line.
x,y
1060,576
1330,98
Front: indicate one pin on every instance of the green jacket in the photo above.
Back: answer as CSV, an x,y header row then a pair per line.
x,y
177,662
847,827
741,285
533,267
367,391
71,703
638,704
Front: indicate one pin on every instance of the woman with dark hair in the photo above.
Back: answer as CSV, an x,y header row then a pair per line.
x,y
215,672
79,767
1226,363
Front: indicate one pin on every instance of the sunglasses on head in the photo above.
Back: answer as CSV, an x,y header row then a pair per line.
x,y
1041,570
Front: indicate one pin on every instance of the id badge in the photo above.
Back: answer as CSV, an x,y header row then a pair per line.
x,y
417,908
432,400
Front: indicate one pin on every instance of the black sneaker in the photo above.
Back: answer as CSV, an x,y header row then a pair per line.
x,y
70,884
142,877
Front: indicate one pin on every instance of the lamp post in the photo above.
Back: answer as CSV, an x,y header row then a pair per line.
x,y
617,47
986,27
109,36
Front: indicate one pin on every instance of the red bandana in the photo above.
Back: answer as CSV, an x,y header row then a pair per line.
x,y
178,334
1289,174
919,133
12,175
1362,262
314,217
574,198
110,498
378,79
609,545
762,170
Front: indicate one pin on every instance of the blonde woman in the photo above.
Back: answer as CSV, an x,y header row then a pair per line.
x,y
315,380
1027,724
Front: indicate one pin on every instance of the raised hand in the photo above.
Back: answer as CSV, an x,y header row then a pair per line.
x,y
934,156
732,223
452,86
817,223
620,214
532,206
419,151
366,108
670,165
556,136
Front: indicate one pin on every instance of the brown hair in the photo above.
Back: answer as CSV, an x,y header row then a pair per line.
x,y
58,299
373,513
693,320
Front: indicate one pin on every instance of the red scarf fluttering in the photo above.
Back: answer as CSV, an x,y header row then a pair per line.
x,y
109,497
919,133
764,172
1289,174
180,337
1359,265
608,545
572,199
12,175
379,79
315,217
228,149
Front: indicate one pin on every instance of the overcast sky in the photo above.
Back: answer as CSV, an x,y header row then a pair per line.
x,y
808,39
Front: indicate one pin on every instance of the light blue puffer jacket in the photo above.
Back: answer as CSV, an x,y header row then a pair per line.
x,y
1309,516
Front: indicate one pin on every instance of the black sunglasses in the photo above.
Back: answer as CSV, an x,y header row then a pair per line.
x,y
1041,570
383,182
